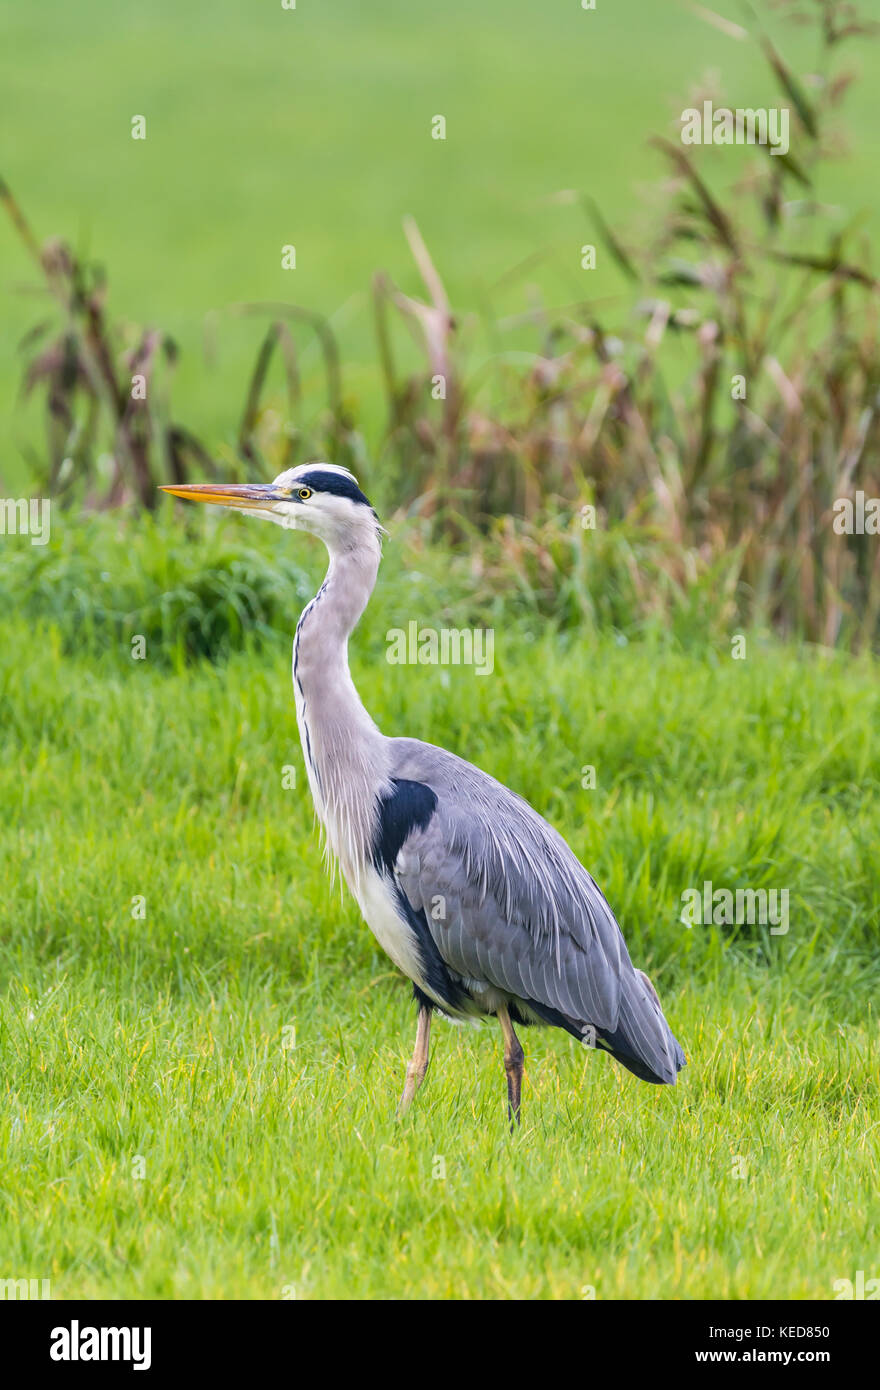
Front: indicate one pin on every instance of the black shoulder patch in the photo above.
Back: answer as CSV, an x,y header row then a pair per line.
x,y
322,480
408,807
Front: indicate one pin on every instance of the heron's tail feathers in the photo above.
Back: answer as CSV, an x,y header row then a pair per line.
x,y
643,1041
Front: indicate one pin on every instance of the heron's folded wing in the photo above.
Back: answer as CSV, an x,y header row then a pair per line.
x,y
507,903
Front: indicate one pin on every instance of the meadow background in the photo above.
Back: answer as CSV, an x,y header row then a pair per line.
x,y
163,1131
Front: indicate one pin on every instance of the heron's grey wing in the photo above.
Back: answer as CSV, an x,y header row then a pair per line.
x,y
506,901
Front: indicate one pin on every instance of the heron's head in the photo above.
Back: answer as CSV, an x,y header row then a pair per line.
x,y
317,497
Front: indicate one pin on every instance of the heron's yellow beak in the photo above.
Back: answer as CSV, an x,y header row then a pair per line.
x,y
245,496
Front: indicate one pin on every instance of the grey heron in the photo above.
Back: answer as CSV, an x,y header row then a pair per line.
x,y
472,894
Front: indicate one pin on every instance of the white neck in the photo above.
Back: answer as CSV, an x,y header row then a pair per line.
x,y
346,756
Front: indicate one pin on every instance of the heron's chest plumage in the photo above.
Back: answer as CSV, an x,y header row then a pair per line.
x,y
379,899
380,906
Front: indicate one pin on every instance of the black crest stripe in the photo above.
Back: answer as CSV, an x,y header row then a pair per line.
x,y
322,480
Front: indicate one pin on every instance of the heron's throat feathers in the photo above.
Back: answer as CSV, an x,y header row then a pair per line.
x,y
346,756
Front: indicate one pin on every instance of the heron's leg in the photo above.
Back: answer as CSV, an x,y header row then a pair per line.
x,y
415,1071
513,1064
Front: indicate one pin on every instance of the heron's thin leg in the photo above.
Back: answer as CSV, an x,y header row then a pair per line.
x,y
415,1071
513,1064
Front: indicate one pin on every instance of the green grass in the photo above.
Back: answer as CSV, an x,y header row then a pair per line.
x,y
271,1168
312,127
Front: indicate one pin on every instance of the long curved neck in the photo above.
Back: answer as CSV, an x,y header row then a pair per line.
x,y
345,754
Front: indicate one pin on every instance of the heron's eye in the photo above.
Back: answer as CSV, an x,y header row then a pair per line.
x,y
304,493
